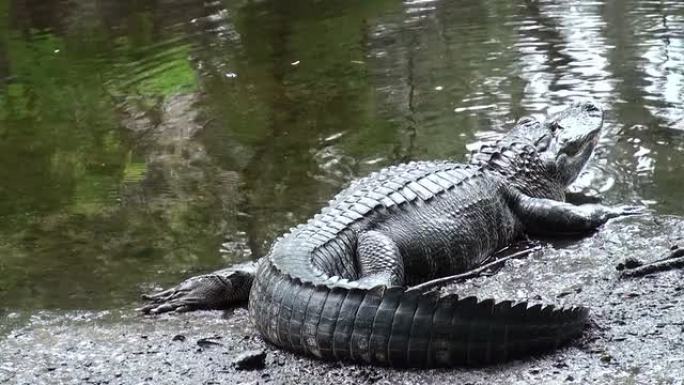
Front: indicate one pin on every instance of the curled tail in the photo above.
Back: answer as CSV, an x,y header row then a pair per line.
x,y
390,326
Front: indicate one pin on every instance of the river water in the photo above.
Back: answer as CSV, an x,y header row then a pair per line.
x,y
145,141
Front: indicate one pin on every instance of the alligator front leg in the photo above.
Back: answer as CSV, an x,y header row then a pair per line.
x,y
546,216
217,290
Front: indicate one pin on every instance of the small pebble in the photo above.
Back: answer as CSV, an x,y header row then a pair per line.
x,y
250,360
629,263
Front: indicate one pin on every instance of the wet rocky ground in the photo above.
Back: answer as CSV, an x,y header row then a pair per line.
x,y
636,333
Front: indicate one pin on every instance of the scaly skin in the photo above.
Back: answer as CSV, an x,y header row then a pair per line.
x,y
338,286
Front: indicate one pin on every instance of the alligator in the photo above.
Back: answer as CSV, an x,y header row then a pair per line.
x,y
348,284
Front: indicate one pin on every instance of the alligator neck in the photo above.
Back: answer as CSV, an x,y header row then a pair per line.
x,y
520,165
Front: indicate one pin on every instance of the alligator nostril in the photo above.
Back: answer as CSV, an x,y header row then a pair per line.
x,y
589,107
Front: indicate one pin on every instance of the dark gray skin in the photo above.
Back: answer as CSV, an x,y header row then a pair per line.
x,y
339,287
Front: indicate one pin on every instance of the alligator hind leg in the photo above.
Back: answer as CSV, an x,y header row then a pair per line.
x,y
217,290
379,260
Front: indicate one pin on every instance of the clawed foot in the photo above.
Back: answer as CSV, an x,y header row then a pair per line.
x,y
203,292
606,212
630,210
192,294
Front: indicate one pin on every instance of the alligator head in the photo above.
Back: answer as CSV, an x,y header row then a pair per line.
x,y
574,134
543,158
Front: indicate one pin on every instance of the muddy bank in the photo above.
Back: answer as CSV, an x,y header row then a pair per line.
x,y
636,334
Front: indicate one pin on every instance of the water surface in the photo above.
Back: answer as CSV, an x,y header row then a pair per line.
x,y
143,141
